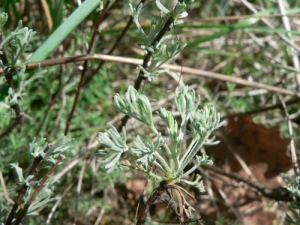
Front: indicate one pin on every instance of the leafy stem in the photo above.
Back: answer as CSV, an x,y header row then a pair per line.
x,y
192,151
166,147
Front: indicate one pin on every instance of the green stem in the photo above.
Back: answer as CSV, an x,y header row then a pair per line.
x,y
166,147
182,131
150,173
188,150
192,151
18,55
9,37
163,162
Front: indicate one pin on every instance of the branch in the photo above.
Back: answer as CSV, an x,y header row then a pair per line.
x,y
23,188
37,191
146,61
8,74
154,196
278,194
188,70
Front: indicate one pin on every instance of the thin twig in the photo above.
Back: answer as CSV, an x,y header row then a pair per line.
x,y
263,109
5,193
293,149
53,209
293,53
139,201
79,186
99,218
240,17
92,163
188,70
278,194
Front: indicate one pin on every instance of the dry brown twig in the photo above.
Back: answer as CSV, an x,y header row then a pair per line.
x,y
293,148
188,70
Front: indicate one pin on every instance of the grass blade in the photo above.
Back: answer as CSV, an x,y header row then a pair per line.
x,y
64,30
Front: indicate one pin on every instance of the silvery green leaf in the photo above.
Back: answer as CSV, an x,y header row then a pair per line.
x,y
131,95
19,171
145,110
37,147
203,160
146,160
147,48
206,120
167,116
180,103
139,148
180,6
154,29
135,14
292,184
131,9
19,25
44,194
50,161
146,153
13,97
150,75
34,213
182,15
185,102
19,39
161,7
197,184
113,140
162,40
116,145
28,179
177,22
62,144
174,47
111,162
135,105
43,198
211,141
3,19
121,105
164,52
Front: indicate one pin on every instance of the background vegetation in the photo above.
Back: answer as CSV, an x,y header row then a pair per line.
x,y
241,56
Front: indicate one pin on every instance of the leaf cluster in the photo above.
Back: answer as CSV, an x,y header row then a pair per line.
x,y
165,154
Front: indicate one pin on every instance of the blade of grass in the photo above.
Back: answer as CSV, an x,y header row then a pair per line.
x,y
239,25
243,24
64,29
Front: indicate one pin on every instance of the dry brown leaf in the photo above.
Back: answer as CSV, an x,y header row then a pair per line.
x,y
265,154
